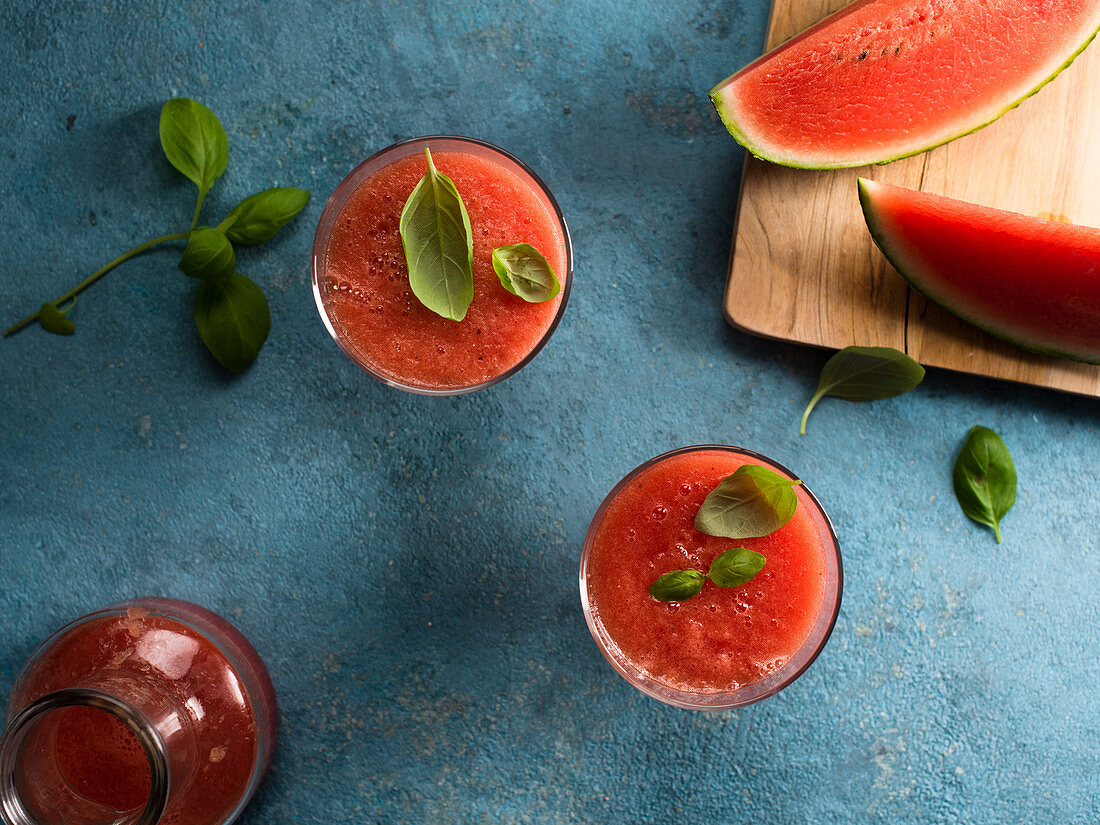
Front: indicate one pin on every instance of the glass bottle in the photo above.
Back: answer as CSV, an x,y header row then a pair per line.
x,y
149,711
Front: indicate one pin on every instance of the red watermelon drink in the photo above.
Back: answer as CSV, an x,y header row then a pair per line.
x,y
361,278
727,645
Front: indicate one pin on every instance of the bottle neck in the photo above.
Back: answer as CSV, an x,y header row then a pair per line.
x,y
34,789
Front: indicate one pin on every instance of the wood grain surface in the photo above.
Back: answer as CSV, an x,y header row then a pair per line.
x,y
803,267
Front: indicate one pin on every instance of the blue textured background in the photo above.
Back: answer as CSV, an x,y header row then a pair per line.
x,y
407,566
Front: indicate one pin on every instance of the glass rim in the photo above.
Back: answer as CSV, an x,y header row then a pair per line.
x,y
156,753
798,663
339,198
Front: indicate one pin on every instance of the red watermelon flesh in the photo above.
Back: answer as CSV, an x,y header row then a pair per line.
x,y
883,79
1032,282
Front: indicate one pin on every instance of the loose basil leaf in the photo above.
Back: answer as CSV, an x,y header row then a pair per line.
x,y
754,501
865,374
677,586
54,320
258,217
985,479
233,320
193,141
209,255
524,271
439,247
735,567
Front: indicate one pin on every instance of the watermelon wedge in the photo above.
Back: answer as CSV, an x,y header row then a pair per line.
x,y
1032,282
883,79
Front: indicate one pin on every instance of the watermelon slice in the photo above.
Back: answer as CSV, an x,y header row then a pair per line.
x,y
883,79
1032,282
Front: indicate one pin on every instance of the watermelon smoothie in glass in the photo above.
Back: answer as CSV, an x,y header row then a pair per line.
x,y
727,646
361,279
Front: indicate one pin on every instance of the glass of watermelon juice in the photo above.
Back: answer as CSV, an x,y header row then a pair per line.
x,y
361,282
727,646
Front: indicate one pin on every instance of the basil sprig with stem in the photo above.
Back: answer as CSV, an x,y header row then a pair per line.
x,y
984,479
230,312
735,567
865,374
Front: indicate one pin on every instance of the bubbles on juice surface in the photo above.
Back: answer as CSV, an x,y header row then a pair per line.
x,y
771,666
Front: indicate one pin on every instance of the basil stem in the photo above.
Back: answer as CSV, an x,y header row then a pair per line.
x,y
95,276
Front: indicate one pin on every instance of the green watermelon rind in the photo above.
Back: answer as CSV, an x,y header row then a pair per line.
x,y
764,154
881,238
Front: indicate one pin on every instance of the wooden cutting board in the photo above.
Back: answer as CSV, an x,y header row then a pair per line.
x,y
804,268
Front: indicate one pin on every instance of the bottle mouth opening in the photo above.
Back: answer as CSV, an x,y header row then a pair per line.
x,y
36,789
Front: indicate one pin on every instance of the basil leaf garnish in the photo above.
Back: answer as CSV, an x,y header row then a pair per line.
x,y
735,567
54,320
754,501
208,255
258,217
233,320
193,141
439,247
985,479
524,271
677,586
865,374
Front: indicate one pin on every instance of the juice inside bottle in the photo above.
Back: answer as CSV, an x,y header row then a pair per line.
x,y
102,759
